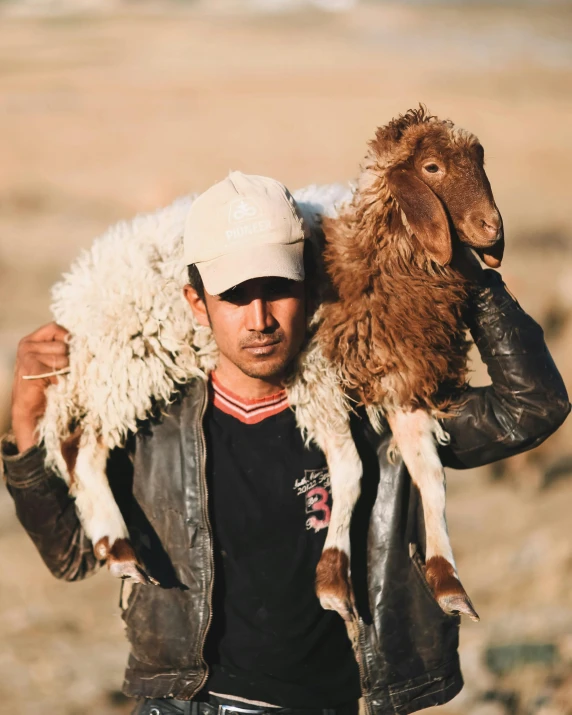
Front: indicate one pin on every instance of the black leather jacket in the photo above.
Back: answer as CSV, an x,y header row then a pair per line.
x,y
407,648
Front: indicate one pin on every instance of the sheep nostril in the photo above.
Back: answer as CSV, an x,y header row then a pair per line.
x,y
491,228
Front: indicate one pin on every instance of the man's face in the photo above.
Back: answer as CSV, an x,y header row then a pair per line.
x,y
259,325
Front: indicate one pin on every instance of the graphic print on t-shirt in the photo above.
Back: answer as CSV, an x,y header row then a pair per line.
x,y
315,487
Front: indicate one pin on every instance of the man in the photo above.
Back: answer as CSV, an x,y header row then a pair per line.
x,y
228,509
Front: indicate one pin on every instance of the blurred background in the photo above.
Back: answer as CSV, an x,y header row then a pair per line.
x,y
112,108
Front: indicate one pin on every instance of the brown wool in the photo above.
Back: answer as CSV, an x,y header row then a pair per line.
x,y
395,328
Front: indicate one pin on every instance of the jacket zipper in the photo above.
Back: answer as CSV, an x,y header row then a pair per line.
x,y
361,637
360,660
210,535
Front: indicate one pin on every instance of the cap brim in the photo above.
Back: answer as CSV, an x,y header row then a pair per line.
x,y
271,259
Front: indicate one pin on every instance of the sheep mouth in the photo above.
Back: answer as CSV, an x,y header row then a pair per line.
x,y
479,243
490,251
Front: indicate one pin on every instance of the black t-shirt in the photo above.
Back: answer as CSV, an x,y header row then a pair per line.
x,y
270,500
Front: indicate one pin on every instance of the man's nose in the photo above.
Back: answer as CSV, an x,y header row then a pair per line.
x,y
258,315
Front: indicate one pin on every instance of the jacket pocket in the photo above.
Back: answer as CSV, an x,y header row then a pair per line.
x,y
161,626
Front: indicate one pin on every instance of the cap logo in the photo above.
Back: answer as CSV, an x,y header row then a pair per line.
x,y
250,218
242,210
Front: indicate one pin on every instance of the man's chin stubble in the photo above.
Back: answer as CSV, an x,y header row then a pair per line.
x,y
265,369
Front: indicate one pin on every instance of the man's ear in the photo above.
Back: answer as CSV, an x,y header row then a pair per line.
x,y
424,212
198,306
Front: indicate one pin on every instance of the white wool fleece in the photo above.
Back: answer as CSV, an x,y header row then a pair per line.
x,y
134,340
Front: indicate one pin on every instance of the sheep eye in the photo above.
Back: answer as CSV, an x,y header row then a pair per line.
x,y
431,168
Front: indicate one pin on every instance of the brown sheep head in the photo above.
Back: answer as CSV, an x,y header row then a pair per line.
x,y
435,173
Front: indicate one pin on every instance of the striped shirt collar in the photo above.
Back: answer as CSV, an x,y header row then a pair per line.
x,y
247,410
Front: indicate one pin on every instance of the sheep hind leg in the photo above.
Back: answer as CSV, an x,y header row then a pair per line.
x,y
333,577
414,435
100,515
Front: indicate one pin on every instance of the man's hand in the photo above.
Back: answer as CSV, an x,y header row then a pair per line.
x,y
43,351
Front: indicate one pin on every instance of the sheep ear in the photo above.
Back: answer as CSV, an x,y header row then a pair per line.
x,y
424,212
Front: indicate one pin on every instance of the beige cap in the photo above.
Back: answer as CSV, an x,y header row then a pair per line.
x,y
244,227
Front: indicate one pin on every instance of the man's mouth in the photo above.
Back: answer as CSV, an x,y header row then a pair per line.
x,y
265,347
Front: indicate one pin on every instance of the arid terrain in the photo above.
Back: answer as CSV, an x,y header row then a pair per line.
x,y
111,110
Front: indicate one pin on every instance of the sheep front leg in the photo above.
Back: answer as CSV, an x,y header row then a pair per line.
x,y
98,510
414,435
333,577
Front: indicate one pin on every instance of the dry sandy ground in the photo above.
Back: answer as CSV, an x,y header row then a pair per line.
x,y
105,116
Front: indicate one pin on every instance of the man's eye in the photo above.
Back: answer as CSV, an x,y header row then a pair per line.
x,y
279,288
233,295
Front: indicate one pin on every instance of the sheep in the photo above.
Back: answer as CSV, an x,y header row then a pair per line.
x,y
134,343
393,330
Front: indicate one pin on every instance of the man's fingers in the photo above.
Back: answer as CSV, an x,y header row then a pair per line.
x,y
54,362
41,354
50,331
53,347
36,364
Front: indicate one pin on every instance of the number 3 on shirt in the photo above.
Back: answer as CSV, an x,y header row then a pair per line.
x,y
317,505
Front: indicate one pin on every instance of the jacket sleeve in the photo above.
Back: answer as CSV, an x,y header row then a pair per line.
x,y
47,512
526,400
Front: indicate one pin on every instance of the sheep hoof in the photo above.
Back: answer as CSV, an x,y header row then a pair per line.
x,y
458,604
333,583
122,563
343,606
130,570
447,589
